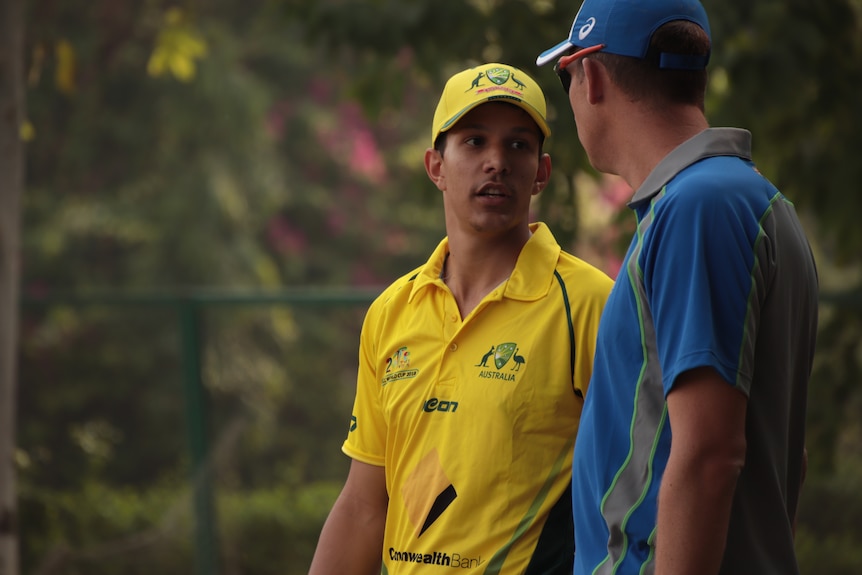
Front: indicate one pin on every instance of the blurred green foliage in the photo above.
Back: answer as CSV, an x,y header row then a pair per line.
x,y
278,144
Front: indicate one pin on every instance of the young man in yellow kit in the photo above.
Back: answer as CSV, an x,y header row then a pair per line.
x,y
473,367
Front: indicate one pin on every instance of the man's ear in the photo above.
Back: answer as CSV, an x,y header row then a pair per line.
x,y
543,174
596,78
433,165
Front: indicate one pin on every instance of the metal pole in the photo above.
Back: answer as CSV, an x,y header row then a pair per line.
x,y
206,540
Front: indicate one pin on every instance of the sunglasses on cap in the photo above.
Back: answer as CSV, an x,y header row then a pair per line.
x,y
566,61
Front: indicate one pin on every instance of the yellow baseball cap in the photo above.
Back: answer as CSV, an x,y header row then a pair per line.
x,y
488,83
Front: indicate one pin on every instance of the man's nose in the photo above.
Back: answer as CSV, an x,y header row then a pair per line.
x,y
497,159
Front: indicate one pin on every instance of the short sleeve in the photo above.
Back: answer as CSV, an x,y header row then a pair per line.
x,y
697,271
366,438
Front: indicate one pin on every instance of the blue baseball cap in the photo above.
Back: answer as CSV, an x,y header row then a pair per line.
x,y
625,27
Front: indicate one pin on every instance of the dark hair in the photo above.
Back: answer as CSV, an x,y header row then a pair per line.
x,y
440,142
643,80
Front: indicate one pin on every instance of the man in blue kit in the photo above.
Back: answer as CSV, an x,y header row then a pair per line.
x,y
690,453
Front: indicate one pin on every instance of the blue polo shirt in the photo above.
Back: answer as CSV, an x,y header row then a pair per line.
x,y
718,261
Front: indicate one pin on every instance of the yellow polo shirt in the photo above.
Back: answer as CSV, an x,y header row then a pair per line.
x,y
475,418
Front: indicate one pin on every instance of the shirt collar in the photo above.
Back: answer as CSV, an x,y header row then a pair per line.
x,y
530,280
709,143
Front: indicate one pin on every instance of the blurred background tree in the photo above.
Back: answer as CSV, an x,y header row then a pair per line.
x,y
277,145
12,134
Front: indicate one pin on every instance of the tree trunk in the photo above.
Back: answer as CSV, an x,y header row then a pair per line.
x,y
11,186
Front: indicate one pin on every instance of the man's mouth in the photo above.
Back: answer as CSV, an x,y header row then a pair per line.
x,y
493,191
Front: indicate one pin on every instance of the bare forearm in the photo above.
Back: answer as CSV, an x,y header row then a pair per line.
x,y
351,541
707,454
693,517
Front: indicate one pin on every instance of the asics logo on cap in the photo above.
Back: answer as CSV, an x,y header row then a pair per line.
x,y
586,28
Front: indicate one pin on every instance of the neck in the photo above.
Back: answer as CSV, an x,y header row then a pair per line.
x,y
646,141
472,271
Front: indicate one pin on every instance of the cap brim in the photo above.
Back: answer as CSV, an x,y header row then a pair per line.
x,y
553,53
534,114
